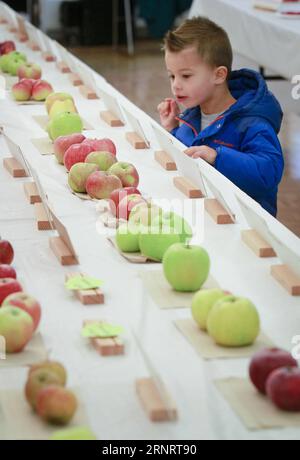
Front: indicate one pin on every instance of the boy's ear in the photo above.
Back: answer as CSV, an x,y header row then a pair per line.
x,y
221,74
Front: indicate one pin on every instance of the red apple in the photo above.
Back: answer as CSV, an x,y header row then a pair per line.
x,y
16,326
56,404
26,303
8,286
41,90
102,145
283,388
62,143
266,361
21,91
7,47
99,185
118,195
7,271
126,172
127,204
6,252
76,153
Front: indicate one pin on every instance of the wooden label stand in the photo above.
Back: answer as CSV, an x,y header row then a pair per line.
x,y
63,67
87,92
165,160
43,222
111,346
33,46
87,296
111,119
218,213
153,403
75,79
257,244
14,168
48,57
62,252
32,192
187,188
136,141
22,38
287,278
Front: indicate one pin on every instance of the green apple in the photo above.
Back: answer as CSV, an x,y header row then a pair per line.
x,y
4,61
154,241
53,97
144,214
174,221
186,267
62,106
76,433
234,322
79,174
103,159
127,237
64,124
14,65
202,303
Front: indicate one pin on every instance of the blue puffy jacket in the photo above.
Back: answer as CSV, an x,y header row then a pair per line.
x,y
245,138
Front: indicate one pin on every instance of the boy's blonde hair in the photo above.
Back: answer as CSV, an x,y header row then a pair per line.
x,y
211,41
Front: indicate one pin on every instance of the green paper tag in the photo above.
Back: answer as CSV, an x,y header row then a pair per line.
x,y
101,330
81,283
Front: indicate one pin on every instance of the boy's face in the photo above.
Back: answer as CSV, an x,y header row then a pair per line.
x,y
192,80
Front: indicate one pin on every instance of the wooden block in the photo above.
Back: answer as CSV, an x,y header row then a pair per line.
x,y
33,46
12,30
63,67
75,79
165,160
111,119
287,278
87,296
22,38
87,92
14,168
218,212
107,346
32,193
62,252
48,57
153,403
257,243
136,141
187,188
3,20
43,222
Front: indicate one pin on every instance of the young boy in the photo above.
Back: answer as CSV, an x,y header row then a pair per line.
x,y
231,118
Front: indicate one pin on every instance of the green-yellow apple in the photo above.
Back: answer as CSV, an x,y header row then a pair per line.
x,y
56,97
126,172
79,174
26,303
13,65
56,404
174,221
143,213
233,322
54,367
127,238
104,160
202,303
186,267
4,60
100,184
63,124
16,326
37,380
62,106
154,241
29,70
76,433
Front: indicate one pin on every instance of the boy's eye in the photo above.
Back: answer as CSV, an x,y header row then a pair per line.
x,y
186,76
171,77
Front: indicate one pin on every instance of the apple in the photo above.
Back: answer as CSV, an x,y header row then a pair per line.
x,y
143,213
155,241
233,322
41,89
7,271
56,97
14,63
126,203
6,252
62,143
62,106
99,185
117,196
7,47
202,303
76,433
76,153
79,174
283,389
126,172
56,404
174,221
4,60
264,362
16,326
64,124
186,267
8,286
52,366
21,91
26,303
38,379
104,160
28,70
102,145
127,238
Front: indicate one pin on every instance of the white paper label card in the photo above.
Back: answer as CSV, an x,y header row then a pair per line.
x,y
136,125
254,220
21,25
40,189
16,152
31,32
111,104
41,41
62,231
2,87
218,195
285,254
163,140
10,15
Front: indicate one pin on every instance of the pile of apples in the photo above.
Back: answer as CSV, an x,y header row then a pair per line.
x,y
20,313
231,321
47,395
11,62
29,89
275,374
63,116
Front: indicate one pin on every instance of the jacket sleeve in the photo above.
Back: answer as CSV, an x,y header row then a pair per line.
x,y
258,166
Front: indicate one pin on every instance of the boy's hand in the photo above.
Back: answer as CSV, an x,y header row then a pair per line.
x,y
206,153
168,111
